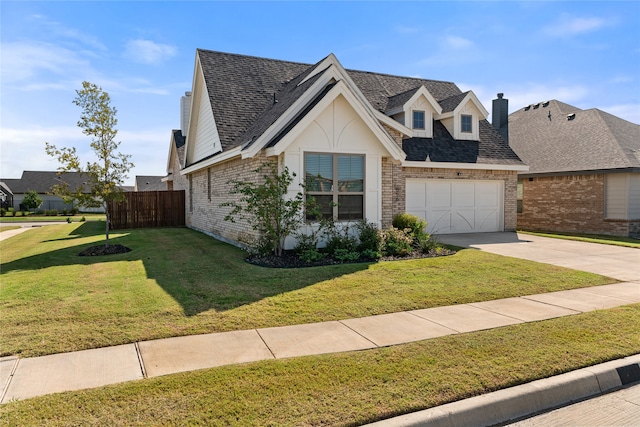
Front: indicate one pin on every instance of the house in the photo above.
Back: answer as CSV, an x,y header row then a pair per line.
x,y
584,171
367,145
6,196
149,183
42,182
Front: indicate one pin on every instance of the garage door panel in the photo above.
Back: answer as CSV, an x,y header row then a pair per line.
x,y
438,221
451,206
438,194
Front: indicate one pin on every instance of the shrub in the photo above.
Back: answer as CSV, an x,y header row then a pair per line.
x,y
74,211
368,254
69,220
311,255
51,212
83,219
369,237
339,237
3,211
396,242
415,224
345,255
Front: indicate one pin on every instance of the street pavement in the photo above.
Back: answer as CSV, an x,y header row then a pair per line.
x,y
619,408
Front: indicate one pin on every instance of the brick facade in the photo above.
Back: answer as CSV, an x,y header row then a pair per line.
x,y
207,188
574,204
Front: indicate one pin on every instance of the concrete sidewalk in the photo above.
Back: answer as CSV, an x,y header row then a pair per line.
x,y
30,377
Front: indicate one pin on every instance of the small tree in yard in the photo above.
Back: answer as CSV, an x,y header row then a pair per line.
x,y
267,209
31,200
107,174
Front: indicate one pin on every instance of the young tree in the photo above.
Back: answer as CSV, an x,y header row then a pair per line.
x,y
107,174
267,209
31,200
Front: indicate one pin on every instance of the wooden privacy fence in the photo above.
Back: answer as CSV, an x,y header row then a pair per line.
x,y
142,209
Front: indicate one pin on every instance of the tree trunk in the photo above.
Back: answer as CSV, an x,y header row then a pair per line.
x,y
106,230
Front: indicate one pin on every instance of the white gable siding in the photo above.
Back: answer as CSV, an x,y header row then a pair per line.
x,y
339,129
422,104
206,140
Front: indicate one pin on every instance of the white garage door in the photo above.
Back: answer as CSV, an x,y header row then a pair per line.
x,y
456,206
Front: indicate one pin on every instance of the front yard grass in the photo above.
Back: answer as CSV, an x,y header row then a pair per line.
x,y
179,282
348,389
629,242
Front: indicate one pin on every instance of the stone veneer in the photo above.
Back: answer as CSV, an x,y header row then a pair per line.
x,y
574,204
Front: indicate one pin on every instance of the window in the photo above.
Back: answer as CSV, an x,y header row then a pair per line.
x,y
418,119
465,125
336,182
520,195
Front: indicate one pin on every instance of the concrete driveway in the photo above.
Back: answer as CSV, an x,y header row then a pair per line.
x,y
612,261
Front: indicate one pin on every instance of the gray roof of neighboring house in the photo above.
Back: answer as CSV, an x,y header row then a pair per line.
x,y
42,181
592,140
180,141
150,183
242,90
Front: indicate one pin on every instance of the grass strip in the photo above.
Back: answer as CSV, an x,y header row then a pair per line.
x,y
352,388
628,242
179,282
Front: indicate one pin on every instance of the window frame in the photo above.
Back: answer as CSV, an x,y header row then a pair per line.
x,y
335,190
424,119
462,123
520,196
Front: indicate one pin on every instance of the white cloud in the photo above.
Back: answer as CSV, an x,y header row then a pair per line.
x,y
24,149
57,29
23,61
569,26
148,52
456,42
629,112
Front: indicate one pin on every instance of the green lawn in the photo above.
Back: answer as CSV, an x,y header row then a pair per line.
x,y
629,242
4,227
347,389
179,282
59,218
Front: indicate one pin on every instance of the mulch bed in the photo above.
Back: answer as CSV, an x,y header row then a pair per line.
x,y
290,259
104,250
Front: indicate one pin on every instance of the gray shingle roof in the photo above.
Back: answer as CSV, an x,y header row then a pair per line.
x,y
242,89
592,140
450,104
443,148
42,181
150,183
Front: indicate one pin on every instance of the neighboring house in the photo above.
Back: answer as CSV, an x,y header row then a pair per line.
x,y
584,171
373,144
149,183
6,196
41,182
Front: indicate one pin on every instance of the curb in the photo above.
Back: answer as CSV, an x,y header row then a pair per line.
x,y
525,400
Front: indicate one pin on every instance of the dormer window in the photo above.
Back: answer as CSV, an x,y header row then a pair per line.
x,y
465,123
418,120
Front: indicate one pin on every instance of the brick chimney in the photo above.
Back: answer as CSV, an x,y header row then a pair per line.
x,y
500,116
185,107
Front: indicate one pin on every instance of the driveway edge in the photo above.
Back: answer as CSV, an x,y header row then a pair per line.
x,y
525,400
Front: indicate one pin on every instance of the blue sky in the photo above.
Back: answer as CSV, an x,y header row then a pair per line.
x,y
586,54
